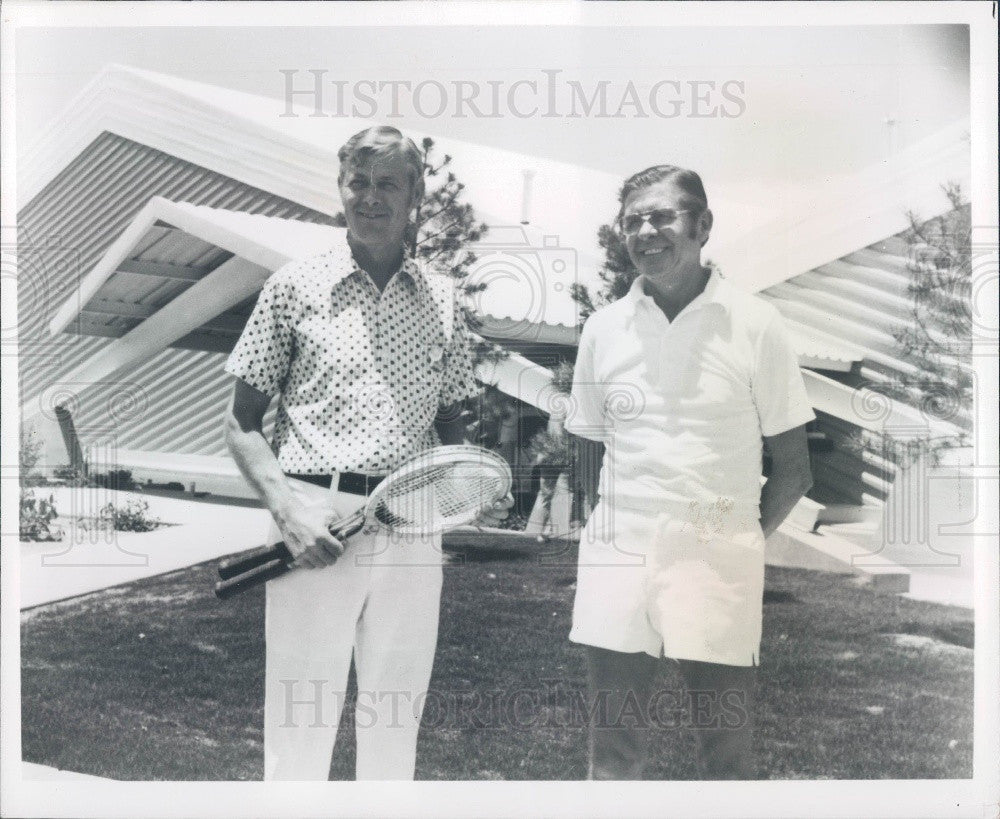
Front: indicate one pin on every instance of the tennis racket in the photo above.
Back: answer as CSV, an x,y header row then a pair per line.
x,y
432,492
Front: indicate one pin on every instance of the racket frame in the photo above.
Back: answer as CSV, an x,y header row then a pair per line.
x,y
242,572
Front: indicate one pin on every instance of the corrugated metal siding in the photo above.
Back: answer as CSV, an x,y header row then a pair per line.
x,y
175,401
862,299
848,473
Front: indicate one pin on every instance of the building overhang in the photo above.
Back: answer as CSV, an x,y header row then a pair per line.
x,y
187,276
873,411
183,275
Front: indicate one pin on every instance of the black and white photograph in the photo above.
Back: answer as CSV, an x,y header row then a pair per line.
x,y
414,396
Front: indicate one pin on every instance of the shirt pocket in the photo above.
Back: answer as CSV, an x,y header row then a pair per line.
x,y
431,351
436,356
424,369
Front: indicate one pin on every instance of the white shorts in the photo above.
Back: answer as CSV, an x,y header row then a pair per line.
x,y
657,583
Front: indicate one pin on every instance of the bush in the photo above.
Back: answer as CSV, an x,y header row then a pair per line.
x,y
115,479
36,518
514,522
133,517
30,451
69,476
562,377
551,452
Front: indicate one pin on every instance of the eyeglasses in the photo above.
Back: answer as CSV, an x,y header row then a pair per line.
x,y
658,219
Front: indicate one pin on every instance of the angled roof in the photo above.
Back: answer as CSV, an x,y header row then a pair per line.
x,y
205,266
851,212
171,245
252,139
245,137
249,138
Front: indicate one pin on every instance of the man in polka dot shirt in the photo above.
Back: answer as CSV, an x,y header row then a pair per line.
x,y
371,360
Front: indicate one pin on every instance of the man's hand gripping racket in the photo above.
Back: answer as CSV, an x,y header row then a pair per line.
x,y
432,492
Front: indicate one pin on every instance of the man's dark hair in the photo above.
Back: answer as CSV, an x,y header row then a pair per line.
x,y
694,198
687,181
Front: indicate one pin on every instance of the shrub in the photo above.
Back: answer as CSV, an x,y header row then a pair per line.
x,y
36,518
562,377
29,453
551,452
69,476
132,517
115,479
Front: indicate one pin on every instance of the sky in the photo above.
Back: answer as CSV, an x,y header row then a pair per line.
x,y
815,99
767,115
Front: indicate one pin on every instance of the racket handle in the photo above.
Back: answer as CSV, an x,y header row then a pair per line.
x,y
250,560
263,554
225,589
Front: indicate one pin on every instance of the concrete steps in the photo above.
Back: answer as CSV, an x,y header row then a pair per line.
x,y
828,552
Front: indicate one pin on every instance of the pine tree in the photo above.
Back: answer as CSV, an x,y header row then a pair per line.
x,y
617,274
443,229
937,339
444,225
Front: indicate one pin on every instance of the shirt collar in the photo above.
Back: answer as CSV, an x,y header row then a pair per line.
x,y
343,264
414,269
717,291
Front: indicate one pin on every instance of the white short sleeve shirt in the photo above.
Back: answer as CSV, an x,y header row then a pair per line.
x,y
361,374
682,406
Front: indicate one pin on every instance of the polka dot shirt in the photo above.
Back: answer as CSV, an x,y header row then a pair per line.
x,y
361,374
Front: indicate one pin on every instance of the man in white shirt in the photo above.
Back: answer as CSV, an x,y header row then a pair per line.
x,y
685,380
370,368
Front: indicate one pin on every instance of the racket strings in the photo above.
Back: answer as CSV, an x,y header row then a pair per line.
x,y
437,495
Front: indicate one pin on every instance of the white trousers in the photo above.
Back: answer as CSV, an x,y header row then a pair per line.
x,y
380,603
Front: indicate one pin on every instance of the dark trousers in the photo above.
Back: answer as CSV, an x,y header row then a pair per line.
x,y
621,703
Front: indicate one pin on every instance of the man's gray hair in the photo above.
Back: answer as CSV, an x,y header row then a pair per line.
x,y
382,141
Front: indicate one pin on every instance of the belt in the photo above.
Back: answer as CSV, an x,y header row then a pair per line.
x,y
353,483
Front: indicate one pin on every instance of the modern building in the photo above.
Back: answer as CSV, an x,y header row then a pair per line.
x,y
154,209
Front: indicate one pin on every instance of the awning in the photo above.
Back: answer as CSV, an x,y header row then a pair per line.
x,y
818,351
873,411
184,275
187,276
180,275
190,264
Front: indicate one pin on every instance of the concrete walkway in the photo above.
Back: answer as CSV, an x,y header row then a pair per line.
x,y
89,560
208,528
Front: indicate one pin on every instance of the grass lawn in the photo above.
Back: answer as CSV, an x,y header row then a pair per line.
x,y
158,680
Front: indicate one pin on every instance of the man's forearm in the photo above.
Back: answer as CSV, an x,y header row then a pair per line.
x,y
778,497
258,465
